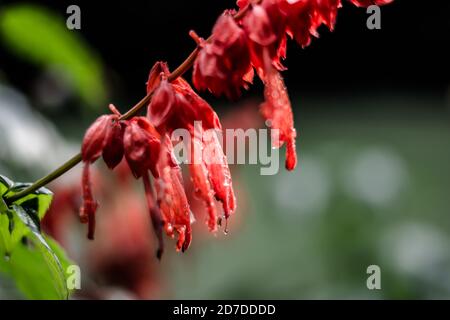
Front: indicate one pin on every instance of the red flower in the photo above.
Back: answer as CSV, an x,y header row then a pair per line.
x,y
175,105
219,173
95,138
182,107
139,141
265,25
99,138
277,109
164,101
113,149
200,180
223,65
89,207
172,199
142,146
303,18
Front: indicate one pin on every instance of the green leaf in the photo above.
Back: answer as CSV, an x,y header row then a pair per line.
x,y
35,261
5,185
7,238
41,37
31,273
38,201
12,230
51,259
34,204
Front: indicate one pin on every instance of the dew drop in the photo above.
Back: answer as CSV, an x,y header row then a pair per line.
x,y
7,257
192,217
225,231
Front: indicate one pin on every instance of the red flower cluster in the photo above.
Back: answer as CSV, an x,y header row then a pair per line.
x,y
146,145
112,138
224,64
175,105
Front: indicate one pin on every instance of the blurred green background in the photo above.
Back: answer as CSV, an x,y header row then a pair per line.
x,y
372,186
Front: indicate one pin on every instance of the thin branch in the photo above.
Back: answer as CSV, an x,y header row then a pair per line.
x,y
178,72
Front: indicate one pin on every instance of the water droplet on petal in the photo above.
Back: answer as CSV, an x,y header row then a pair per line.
x,y
191,217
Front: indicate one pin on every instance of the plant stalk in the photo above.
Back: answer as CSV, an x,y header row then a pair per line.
x,y
178,72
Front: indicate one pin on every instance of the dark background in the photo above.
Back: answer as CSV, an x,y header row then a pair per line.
x,y
409,52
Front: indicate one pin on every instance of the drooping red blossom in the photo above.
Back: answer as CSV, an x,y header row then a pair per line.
x,y
154,77
89,207
265,26
164,101
223,65
185,110
219,172
95,140
142,145
202,186
303,18
192,108
277,109
113,150
155,215
175,105
172,199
